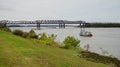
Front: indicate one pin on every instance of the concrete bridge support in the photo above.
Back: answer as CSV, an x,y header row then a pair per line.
x,y
62,25
38,26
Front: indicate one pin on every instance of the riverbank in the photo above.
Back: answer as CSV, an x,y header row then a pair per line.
x,y
106,38
16,51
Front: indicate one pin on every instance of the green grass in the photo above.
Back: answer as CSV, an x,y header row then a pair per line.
x,y
16,51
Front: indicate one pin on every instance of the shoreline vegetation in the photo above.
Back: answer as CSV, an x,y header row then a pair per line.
x,y
105,25
26,49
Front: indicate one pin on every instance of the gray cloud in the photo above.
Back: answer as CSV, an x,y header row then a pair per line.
x,y
6,9
88,10
4,6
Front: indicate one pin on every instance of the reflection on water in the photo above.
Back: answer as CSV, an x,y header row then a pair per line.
x,y
106,38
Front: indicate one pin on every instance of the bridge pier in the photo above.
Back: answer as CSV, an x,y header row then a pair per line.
x,y
81,27
38,26
59,25
62,25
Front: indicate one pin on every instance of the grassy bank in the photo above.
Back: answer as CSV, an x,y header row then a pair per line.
x,y
16,51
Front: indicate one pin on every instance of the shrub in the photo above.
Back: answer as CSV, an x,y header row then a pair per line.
x,y
5,29
87,47
70,42
43,36
48,39
2,27
25,34
32,34
18,32
52,37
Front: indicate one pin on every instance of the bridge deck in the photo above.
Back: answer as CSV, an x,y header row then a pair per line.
x,y
44,22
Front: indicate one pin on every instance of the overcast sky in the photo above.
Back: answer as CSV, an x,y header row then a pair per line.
x,y
87,10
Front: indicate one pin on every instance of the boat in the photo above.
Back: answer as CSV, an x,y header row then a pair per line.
x,y
84,32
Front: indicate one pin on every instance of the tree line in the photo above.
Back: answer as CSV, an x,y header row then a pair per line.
x,y
102,25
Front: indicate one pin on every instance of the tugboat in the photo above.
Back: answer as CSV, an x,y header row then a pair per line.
x,y
84,32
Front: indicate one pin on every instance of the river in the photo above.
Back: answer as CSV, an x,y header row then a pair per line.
x,y
106,38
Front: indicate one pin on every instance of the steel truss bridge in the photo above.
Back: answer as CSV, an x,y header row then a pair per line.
x,y
38,23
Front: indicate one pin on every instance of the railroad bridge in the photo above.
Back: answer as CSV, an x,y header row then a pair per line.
x,y
39,22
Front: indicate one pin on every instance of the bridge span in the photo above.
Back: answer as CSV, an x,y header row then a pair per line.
x,y
39,22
